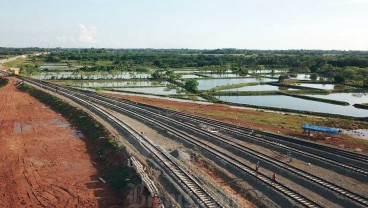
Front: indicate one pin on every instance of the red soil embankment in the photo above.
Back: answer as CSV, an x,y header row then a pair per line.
x,y
43,161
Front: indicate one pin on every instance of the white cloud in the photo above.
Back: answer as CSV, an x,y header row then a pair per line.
x,y
87,35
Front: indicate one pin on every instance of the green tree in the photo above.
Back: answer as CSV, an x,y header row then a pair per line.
x,y
339,78
313,76
191,84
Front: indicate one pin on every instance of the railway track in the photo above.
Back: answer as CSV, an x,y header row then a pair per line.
x,y
288,192
363,201
255,136
266,140
185,179
241,130
356,162
344,192
190,183
334,151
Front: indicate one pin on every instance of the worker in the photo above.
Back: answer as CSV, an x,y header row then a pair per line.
x,y
273,178
257,168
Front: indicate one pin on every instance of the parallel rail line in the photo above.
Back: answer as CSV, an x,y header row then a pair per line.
x,y
143,112
303,174
183,177
281,141
197,142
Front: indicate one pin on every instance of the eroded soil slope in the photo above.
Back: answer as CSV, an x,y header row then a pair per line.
x,y
44,162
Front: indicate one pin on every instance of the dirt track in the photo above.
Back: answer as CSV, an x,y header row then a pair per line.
x,y
43,161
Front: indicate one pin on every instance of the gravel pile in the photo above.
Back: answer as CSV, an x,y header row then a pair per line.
x,y
180,155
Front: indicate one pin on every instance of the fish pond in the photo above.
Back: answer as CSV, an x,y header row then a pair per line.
x,y
351,98
206,84
154,90
287,102
254,88
90,75
116,83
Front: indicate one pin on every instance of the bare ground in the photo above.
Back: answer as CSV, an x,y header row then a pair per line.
x,y
44,162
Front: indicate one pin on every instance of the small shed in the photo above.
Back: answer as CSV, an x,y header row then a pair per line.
x,y
322,129
284,78
14,70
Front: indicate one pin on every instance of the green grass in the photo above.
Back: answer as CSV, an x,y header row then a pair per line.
x,y
15,63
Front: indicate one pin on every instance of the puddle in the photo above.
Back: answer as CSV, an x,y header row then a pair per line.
x,y
17,128
78,133
27,128
361,133
39,163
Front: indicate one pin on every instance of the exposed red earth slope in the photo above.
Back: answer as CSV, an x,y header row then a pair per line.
x,y
43,161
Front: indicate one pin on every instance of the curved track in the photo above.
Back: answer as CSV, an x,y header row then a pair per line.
x,y
202,196
116,103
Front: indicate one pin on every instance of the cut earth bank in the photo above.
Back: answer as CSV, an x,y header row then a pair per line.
x,y
44,161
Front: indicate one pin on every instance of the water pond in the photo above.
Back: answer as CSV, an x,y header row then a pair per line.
x,y
64,67
254,88
154,90
225,75
351,98
205,84
91,75
282,101
323,86
266,71
301,77
186,71
116,83
189,76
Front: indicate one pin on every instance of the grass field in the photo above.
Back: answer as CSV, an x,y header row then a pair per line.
x,y
16,63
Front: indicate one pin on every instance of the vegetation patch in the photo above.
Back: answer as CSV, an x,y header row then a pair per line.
x,y
99,141
362,106
232,86
299,87
246,93
15,63
3,82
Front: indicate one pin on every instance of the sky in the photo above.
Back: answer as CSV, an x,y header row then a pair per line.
x,y
195,24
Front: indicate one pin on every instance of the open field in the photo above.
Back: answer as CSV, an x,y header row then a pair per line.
x,y
44,161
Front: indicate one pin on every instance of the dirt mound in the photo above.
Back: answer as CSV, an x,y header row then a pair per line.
x,y
180,155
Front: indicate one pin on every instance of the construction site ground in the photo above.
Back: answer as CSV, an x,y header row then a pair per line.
x,y
44,161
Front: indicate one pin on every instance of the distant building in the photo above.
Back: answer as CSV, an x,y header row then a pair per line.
x,y
284,78
15,70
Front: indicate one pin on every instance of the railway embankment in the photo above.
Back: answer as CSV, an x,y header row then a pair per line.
x,y
111,156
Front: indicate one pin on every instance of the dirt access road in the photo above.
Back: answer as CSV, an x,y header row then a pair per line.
x,y
43,161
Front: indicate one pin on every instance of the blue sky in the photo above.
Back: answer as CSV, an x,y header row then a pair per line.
x,y
250,24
